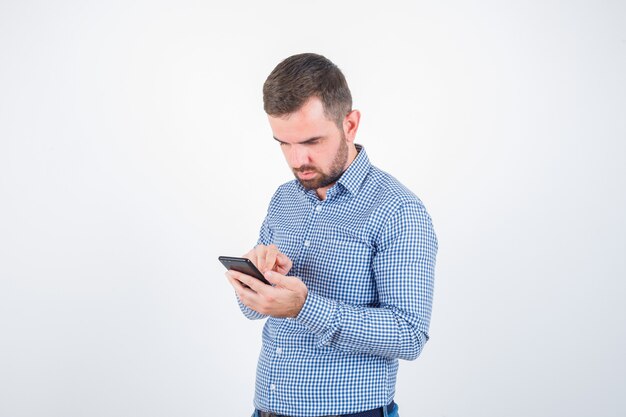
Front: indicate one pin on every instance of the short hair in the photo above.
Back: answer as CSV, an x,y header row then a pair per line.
x,y
300,77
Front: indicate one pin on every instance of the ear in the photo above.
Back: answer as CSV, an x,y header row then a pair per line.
x,y
351,125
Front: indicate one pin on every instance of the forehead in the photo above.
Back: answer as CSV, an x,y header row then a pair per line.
x,y
306,122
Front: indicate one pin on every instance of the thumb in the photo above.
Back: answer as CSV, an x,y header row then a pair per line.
x,y
276,279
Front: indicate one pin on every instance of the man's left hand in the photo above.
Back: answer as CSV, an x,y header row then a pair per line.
x,y
284,299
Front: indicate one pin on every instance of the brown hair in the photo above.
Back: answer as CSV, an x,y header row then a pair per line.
x,y
302,76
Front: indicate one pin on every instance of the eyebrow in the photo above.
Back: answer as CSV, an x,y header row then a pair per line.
x,y
304,142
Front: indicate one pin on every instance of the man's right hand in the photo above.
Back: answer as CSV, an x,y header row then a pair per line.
x,y
269,258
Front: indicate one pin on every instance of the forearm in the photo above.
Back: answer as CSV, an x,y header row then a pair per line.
x,y
382,331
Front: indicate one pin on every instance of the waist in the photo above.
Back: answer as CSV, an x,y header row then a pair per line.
x,y
375,412
289,380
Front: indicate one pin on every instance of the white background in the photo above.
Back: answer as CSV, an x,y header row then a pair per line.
x,y
134,150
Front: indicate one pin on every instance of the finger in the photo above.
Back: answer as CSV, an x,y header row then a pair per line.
x,y
270,257
254,284
252,255
239,289
283,263
245,294
275,278
260,253
237,285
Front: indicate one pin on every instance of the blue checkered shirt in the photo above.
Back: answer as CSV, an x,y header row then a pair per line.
x,y
367,255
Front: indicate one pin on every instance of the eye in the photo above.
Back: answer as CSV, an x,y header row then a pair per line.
x,y
312,142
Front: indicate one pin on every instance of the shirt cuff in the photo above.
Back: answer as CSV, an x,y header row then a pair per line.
x,y
317,313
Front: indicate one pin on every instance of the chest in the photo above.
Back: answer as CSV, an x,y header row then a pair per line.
x,y
331,246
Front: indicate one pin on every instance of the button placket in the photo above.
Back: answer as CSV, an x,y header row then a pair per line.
x,y
317,209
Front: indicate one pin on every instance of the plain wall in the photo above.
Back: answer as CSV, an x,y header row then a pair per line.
x,y
134,150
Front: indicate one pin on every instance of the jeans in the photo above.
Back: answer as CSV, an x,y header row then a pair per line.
x,y
394,412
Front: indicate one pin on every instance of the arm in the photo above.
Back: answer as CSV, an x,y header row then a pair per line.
x,y
403,268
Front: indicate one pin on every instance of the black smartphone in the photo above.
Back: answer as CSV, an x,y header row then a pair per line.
x,y
243,265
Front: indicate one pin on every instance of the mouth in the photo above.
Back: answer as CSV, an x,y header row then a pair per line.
x,y
306,175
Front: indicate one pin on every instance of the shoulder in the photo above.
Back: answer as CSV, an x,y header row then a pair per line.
x,y
390,206
400,214
389,192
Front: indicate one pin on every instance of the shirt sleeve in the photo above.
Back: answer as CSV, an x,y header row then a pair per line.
x,y
403,268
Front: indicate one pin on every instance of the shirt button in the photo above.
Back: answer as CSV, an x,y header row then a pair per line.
x,y
273,387
318,208
279,351
307,243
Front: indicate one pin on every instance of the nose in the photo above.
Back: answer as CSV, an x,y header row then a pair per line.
x,y
297,156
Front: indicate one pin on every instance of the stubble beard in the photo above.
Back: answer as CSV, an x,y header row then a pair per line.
x,y
325,179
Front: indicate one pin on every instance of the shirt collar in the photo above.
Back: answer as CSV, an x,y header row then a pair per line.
x,y
353,177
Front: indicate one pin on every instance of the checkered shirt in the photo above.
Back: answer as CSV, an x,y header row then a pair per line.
x,y
367,255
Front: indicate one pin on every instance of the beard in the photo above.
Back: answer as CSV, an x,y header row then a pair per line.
x,y
325,179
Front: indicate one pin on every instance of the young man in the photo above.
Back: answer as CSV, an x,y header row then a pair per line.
x,y
350,253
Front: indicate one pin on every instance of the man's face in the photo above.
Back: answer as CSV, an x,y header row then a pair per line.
x,y
314,146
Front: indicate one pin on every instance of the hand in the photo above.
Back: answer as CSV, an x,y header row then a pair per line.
x,y
269,258
284,299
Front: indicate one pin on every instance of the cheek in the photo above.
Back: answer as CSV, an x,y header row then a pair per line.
x,y
327,156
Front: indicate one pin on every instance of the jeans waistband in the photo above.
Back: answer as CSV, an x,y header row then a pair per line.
x,y
376,412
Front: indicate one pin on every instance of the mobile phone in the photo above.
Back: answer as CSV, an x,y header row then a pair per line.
x,y
243,265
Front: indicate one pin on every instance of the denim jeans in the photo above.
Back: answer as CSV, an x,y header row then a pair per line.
x,y
394,412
